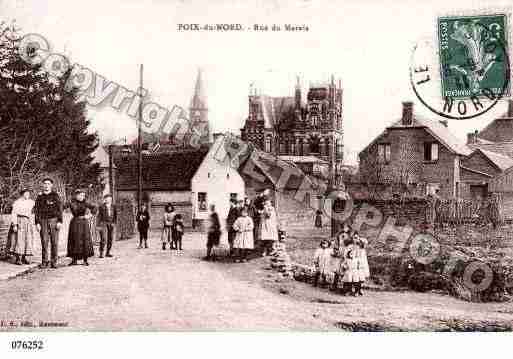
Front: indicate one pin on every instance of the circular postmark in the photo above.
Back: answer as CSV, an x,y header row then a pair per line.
x,y
467,72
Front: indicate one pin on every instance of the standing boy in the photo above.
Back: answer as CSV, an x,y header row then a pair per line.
x,y
107,217
48,218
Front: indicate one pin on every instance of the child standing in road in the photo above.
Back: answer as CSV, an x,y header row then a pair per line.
x,y
322,258
349,265
178,230
363,264
167,233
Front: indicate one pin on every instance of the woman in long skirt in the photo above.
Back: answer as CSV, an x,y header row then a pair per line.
x,y
21,237
80,244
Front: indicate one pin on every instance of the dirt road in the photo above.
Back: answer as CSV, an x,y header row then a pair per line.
x,y
149,289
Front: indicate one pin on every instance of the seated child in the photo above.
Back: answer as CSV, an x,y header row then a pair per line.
x,y
322,259
178,230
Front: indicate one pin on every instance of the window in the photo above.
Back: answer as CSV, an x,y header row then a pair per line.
x,y
202,201
292,148
282,148
430,151
384,153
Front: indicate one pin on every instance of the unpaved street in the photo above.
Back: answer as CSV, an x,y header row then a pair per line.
x,y
149,289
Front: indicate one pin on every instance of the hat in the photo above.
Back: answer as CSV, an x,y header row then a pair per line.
x,y
107,195
79,190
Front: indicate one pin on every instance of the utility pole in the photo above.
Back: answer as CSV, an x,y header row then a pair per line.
x,y
139,142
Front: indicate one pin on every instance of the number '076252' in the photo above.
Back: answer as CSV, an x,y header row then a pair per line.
x,y
27,344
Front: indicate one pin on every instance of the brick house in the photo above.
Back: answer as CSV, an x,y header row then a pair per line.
x,y
416,152
496,140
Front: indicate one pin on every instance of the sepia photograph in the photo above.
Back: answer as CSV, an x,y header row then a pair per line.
x,y
255,166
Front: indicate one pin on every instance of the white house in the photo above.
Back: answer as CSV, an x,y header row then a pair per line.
x,y
216,181
189,179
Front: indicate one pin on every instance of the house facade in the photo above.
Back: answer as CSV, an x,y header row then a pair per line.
x,y
215,182
417,152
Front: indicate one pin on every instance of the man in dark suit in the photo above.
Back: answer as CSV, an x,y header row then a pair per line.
x,y
48,216
107,217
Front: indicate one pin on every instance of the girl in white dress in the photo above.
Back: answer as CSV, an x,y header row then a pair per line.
x,y
22,236
322,259
363,264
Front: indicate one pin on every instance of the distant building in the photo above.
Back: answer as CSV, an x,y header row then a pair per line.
x,y
289,127
424,154
190,180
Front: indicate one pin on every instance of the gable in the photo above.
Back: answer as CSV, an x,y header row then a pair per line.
x,y
479,162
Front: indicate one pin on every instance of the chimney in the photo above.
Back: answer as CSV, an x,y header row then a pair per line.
x,y
472,137
444,122
407,118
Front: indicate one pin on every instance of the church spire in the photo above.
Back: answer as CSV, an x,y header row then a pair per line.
x,y
198,110
199,99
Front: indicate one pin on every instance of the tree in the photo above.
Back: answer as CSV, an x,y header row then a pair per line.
x,y
43,128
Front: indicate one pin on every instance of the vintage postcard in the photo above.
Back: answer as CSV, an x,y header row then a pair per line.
x,y
318,165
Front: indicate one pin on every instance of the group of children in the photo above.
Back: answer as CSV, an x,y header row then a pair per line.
x,y
173,229
353,267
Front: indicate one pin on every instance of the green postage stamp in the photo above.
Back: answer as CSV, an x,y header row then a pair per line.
x,y
474,59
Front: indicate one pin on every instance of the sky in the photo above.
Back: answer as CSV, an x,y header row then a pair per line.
x,y
367,44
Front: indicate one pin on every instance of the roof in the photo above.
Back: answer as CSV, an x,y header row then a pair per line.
x,y
501,161
503,148
272,168
500,129
161,171
440,132
436,129
274,108
303,159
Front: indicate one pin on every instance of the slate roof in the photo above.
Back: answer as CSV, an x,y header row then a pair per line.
x,y
503,148
274,108
161,171
500,129
440,132
436,129
501,161
272,168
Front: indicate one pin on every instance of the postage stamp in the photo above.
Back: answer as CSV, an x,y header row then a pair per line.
x,y
473,55
465,70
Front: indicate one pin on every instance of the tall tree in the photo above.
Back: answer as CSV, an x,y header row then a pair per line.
x,y
43,128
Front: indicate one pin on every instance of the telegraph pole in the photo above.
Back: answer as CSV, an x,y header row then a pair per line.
x,y
139,141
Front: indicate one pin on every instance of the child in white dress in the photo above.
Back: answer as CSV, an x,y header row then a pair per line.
x,y
322,258
363,264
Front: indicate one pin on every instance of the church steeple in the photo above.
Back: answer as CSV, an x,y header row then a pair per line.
x,y
198,109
